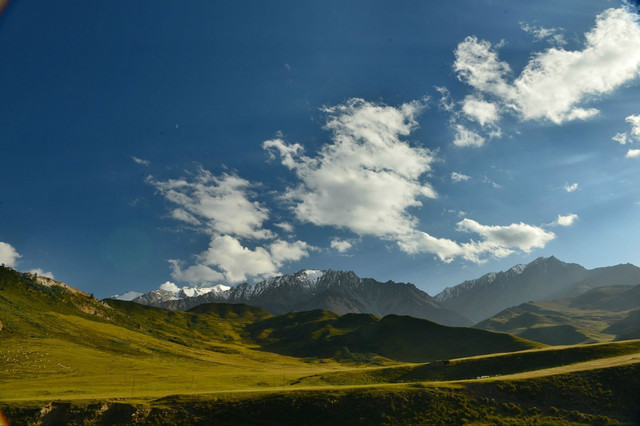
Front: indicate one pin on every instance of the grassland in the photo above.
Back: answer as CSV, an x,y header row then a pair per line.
x,y
66,358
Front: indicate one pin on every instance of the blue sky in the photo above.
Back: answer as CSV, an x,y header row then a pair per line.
x,y
222,142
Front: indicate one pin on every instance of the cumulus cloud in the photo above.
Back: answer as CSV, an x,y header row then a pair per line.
x,y
222,204
567,220
41,273
194,274
556,82
465,137
238,263
340,245
169,286
367,177
634,122
8,255
285,226
571,187
479,110
459,177
223,207
140,161
495,241
621,138
501,240
633,153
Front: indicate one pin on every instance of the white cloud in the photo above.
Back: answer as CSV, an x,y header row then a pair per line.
x,y
8,255
285,226
169,286
140,161
366,178
194,274
222,204
556,81
496,241
477,64
42,273
479,110
340,245
553,35
238,263
501,240
489,181
445,99
621,138
633,153
459,177
567,220
634,121
222,207
465,137
571,188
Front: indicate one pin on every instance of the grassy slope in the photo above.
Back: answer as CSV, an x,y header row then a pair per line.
x,y
366,337
62,346
555,323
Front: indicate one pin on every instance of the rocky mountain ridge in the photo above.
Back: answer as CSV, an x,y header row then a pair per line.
x,y
337,291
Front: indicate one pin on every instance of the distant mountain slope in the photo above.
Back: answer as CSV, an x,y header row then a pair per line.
x,y
336,291
600,314
542,279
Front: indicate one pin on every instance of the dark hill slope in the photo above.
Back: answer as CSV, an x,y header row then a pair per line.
x,y
323,333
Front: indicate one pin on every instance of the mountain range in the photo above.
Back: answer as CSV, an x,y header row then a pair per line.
x,y
544,279
337,291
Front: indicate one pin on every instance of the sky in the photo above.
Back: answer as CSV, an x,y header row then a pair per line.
x,y
204,143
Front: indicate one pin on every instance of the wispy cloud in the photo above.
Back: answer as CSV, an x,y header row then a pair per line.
x,y
571,187
140,161
465,137
459,177
633,153
340,245
552,35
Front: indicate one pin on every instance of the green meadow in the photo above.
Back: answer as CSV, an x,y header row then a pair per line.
x,y
67,358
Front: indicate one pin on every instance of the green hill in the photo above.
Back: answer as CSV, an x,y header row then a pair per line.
x,y
601,314
67,358
361,336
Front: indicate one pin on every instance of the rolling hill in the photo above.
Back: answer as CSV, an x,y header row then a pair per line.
x,y
67,358
598,315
